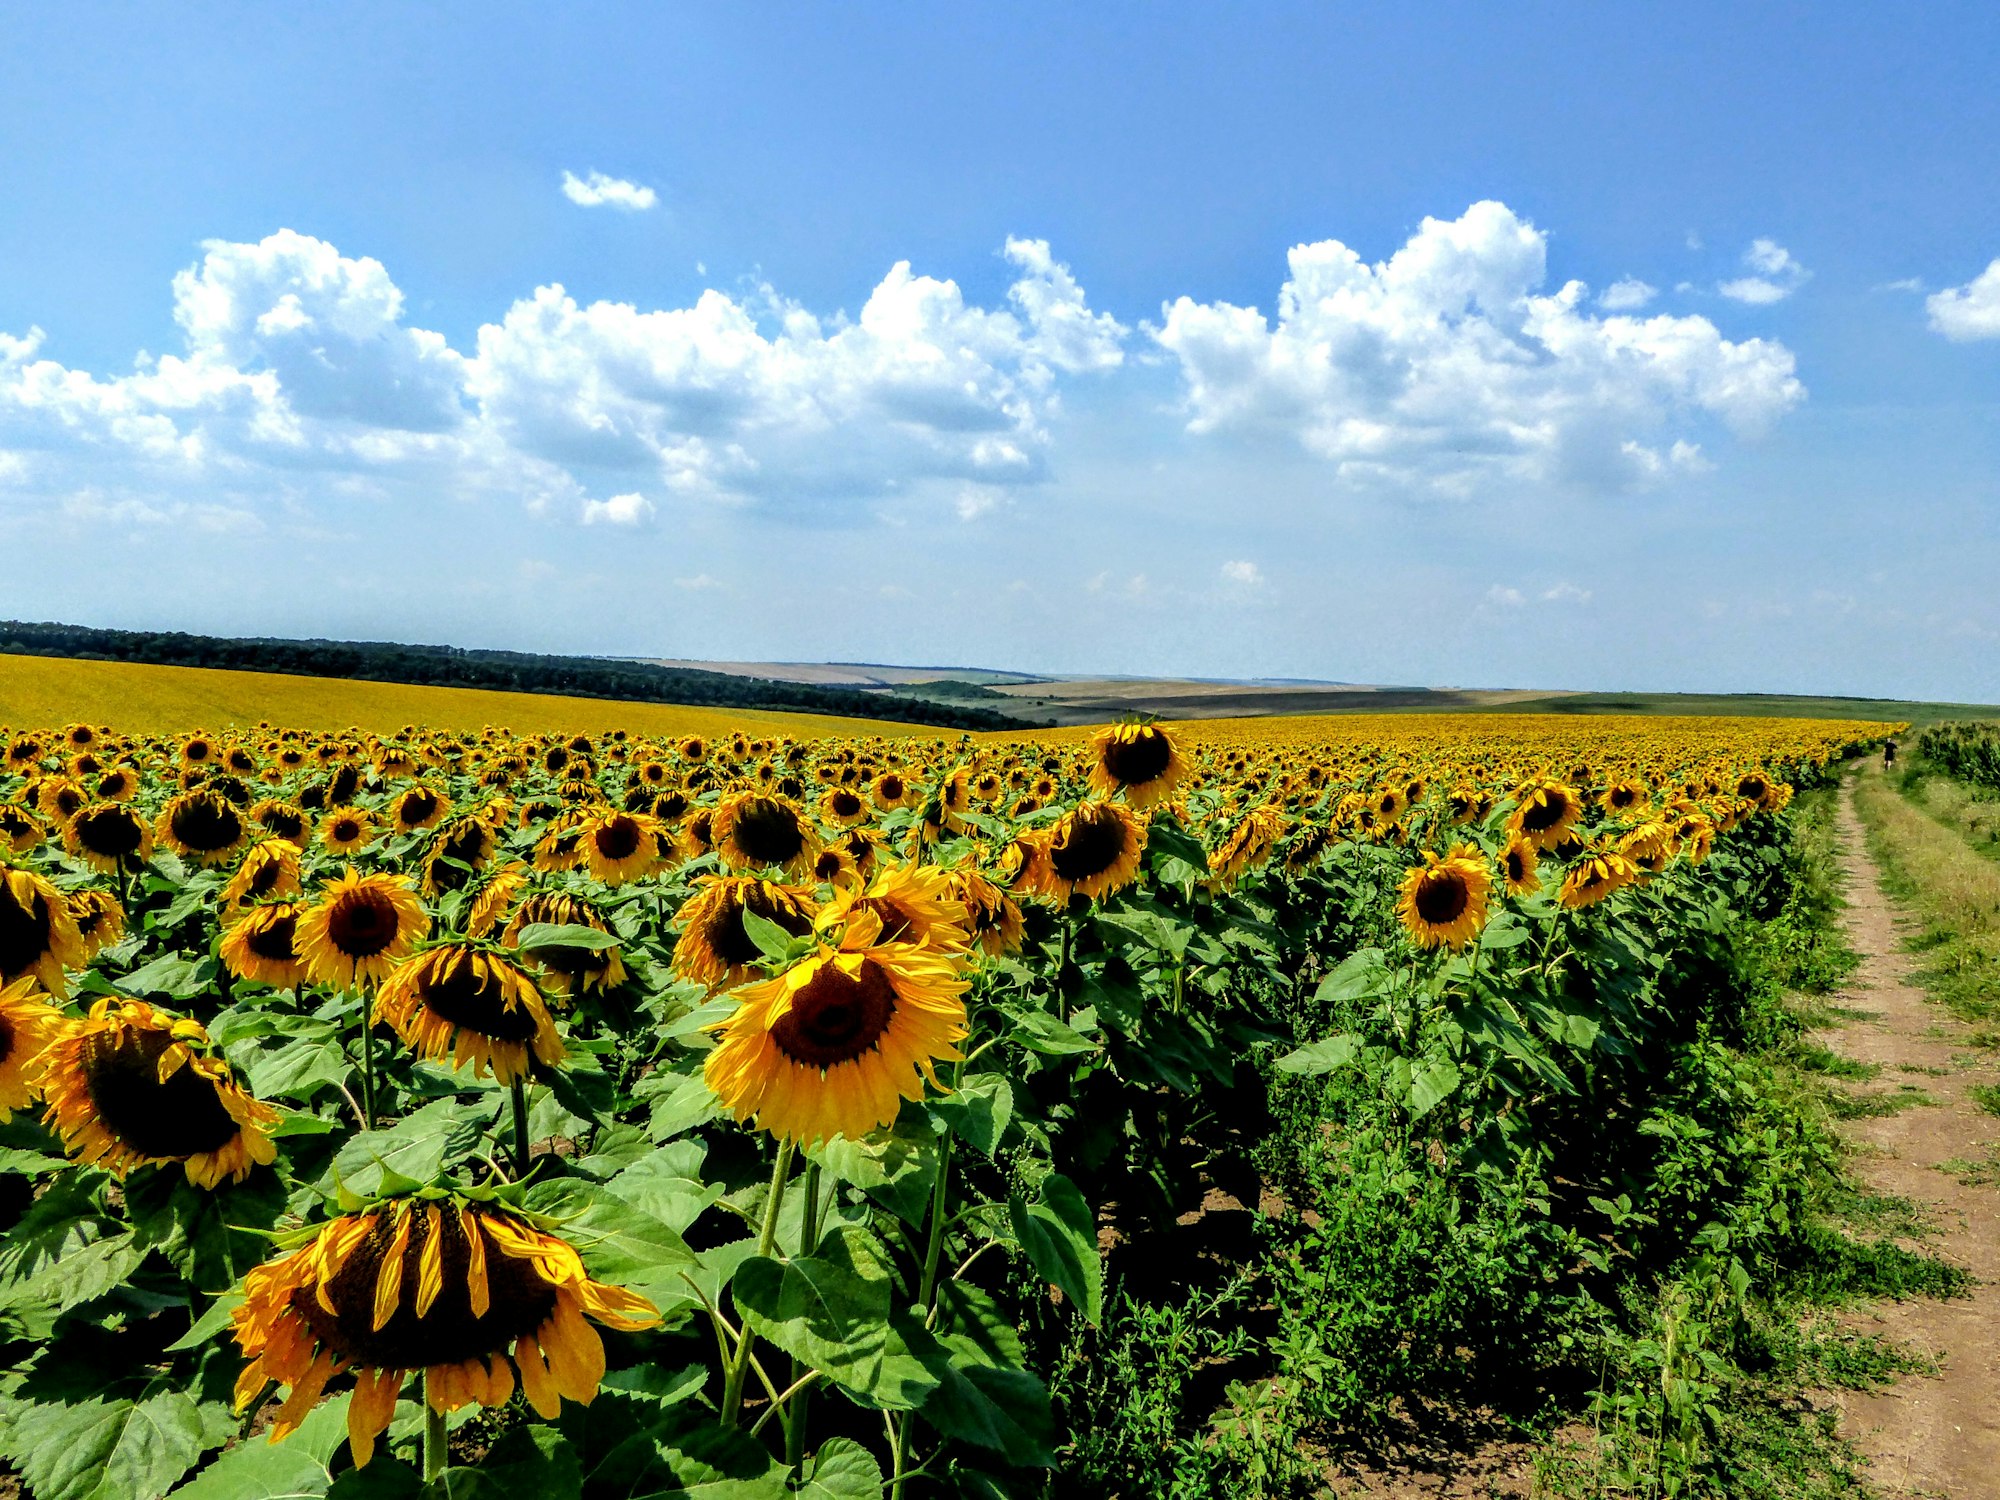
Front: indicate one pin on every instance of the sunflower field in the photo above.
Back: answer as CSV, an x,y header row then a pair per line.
x,y
605,1115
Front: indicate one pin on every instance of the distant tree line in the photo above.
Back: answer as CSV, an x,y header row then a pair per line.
x,y
501,671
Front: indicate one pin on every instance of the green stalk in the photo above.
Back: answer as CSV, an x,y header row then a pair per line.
x,y
434,1437
795,1429
927,1298
520,1098
739,1367
367,1065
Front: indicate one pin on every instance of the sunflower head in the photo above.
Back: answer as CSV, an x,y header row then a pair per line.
x,y
714,948
1595,877
130,1086
754,831
269,872
38,934
565,969
262,945
109,837
1140,760
463,1002
20,830
1517,867
99,918
833,1045
201,825
1248,845
1091,851
1443,902
28,1023
621,846
909,904
473,1295
360,928
1544,813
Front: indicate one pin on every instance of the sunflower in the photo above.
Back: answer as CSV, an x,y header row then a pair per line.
x,y
833,1045
1443,901
1595,877
202,826
1544,812
270,871
38,934
359,928
432,1284
991,915
262,944
131,1085
347,832
1249,844
754,831
621,846
843,807
99,918
833,865
1624,796
465,841
1093,850
565,969
1140,760
28,1023
1650,846
891,790
460,1002
61,798
494,898
1517,867
282,820
109,837
1696,835
560,848
714,949
913,903
19,828
118,784
418,808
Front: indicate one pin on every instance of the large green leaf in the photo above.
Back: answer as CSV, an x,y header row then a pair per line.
x,y
415,1149
112,1449
984,1393
842,1470
80,1275
1315,1058
835,1320
1059,1235
977,1111
896,1167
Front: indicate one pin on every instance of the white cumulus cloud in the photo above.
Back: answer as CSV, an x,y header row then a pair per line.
x,y
599,191
1445,366
1627,295
1775,275
1972,311
620,510
1247,574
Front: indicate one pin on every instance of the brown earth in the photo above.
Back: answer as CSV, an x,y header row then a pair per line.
x,y
1924,1436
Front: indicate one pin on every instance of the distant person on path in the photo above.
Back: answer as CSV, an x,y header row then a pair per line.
x,y
1888,755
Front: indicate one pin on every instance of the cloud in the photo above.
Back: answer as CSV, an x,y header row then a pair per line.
x,y
1507,598
698,584
600,191
1247,574
299,360
1627,295
1777,275
1566,593
1443,368
1905,284
619,510
1972,311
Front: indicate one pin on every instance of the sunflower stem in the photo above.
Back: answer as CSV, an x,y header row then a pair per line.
x,y
520,1097
434,1436
795,1429
739,1366
367,1065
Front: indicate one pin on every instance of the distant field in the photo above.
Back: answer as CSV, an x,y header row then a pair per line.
x,y
40,690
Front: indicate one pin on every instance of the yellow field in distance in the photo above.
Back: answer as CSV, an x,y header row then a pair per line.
x,y
43,691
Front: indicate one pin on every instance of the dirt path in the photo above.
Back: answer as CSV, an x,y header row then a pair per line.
x,y
1928,1437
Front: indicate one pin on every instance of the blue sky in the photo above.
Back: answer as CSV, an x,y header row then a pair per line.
x,y
1619,347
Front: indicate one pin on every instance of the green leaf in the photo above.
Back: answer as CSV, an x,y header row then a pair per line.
x,y
171,974
1038,1031
565,935
842,1470
1059,1236
298,1071
113,1450
1432,1081
681,1101
1363,974
984,1393
534,1460
81,1275
415,1149
896,1167
977,1111
1316,1058
836,1321
771,939
270,1471
620,1243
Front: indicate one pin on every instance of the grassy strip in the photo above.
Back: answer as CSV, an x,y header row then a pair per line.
x,y
1916,828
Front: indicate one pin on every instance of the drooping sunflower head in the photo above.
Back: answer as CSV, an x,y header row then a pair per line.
x,y
269,872
28,1023
1517,867
20,830
833,1045
282,820
457,853
262,945
1140,760
1443,902
1625,796
1595,877
1248,844
418,808
893,790
360,927
567,969
99,918
470,1294
109,837
714,948
38,935
201,825
991,915
1651,846
843,807
1091,851
462,1002
620,846
61,797
1544,813
131,1085
754,831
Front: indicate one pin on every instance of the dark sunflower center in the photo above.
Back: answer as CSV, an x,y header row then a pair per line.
x,y
835,1019
1092,845
1441,899
1623,797
264,878
417,806
1138,761
285,823
448,1332
111,834
346,830
844,804
891,788
177,1119
467,994
1545,814
24,933
363,923
272,938
466,845
1517,867
732,944
618,839
205,824
768,832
